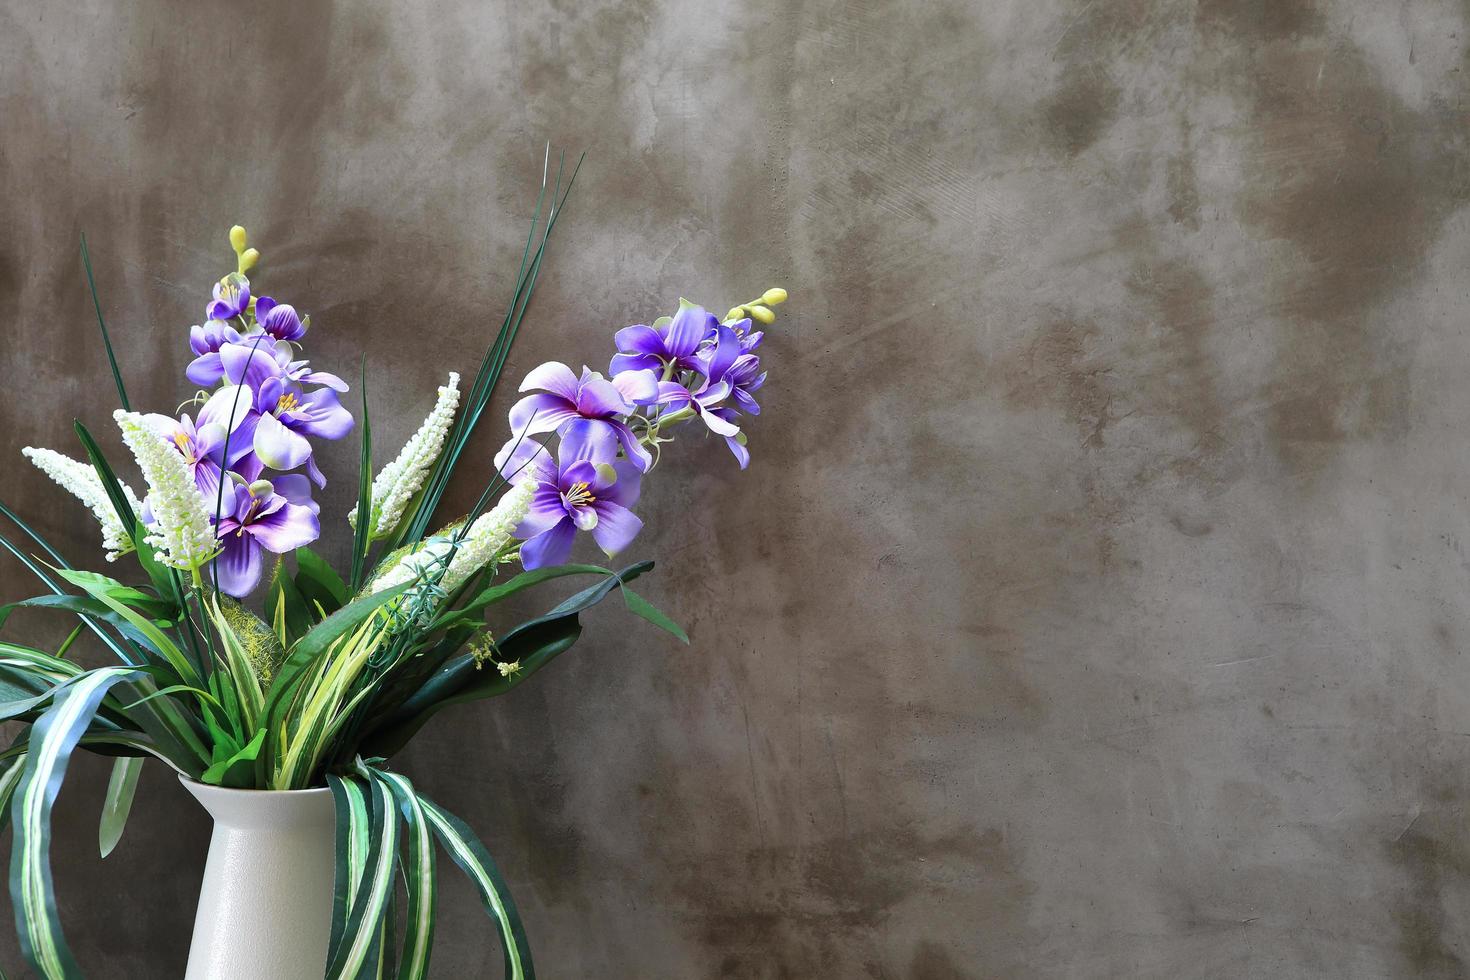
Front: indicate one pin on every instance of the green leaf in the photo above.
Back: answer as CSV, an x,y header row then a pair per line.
x,y
53,737
118,802
534,644
416,519
122,393
642,607
163,578
154,608
233,769
285,605
352,809
362,534
315,644
152,633
360,933
9,779
420,880
465,850
319,582
495,593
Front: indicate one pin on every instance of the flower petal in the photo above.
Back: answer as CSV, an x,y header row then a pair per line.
x,y
290,527
206,369
587,439
640,339
616,528
687,329
639,387
718,424
524,456
635,452
227,407
553,376
325,417
742,455
296,488
634,362
249,363
323,378
599,398
540,413
277,446
545,512
238,565
629,483
551,547
727,349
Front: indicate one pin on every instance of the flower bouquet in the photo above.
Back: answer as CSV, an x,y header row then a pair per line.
x,y
247,663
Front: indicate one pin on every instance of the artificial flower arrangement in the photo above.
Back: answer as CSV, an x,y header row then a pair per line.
x,y
339,670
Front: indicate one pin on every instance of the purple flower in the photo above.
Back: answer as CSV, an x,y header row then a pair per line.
x,y
565,398
749,339
284,412
202,442
259,519
745,377
206,370
231,298
645,348
280,320
718,370
588,488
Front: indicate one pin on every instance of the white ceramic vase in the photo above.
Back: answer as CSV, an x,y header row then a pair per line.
x,y
265,908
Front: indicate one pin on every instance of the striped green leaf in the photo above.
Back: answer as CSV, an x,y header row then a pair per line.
x,y
354,946
465,849
9,779
419,875
118,803
351,848
53,737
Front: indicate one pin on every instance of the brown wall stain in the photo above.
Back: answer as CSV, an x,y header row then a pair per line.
x,y
1089,608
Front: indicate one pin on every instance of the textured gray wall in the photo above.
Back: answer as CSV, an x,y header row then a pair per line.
x,y
1095,604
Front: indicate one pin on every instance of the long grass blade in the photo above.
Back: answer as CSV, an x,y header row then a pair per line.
x,y
361,536
493,362
122,392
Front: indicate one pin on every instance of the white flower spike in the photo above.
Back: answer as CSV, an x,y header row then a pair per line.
x,y
397,482
181,530
81,481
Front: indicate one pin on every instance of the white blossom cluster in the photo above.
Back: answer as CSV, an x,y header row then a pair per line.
x,y
181,530
491,532
397,482
81,481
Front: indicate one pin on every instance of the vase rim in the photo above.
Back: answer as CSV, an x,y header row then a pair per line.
x,y
192,783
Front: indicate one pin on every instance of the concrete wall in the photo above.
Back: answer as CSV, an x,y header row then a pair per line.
x,y
1096,602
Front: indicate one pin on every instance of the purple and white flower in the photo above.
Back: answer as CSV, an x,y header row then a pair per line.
x,y
203,442
675,345
563,398
585,488
258,518
231,298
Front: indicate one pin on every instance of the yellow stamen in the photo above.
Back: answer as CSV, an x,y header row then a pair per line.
x,y
288,403
579,495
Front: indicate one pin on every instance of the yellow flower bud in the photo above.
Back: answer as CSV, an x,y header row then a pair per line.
x,y
774,296
762,314
237,239
736,313
248,258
